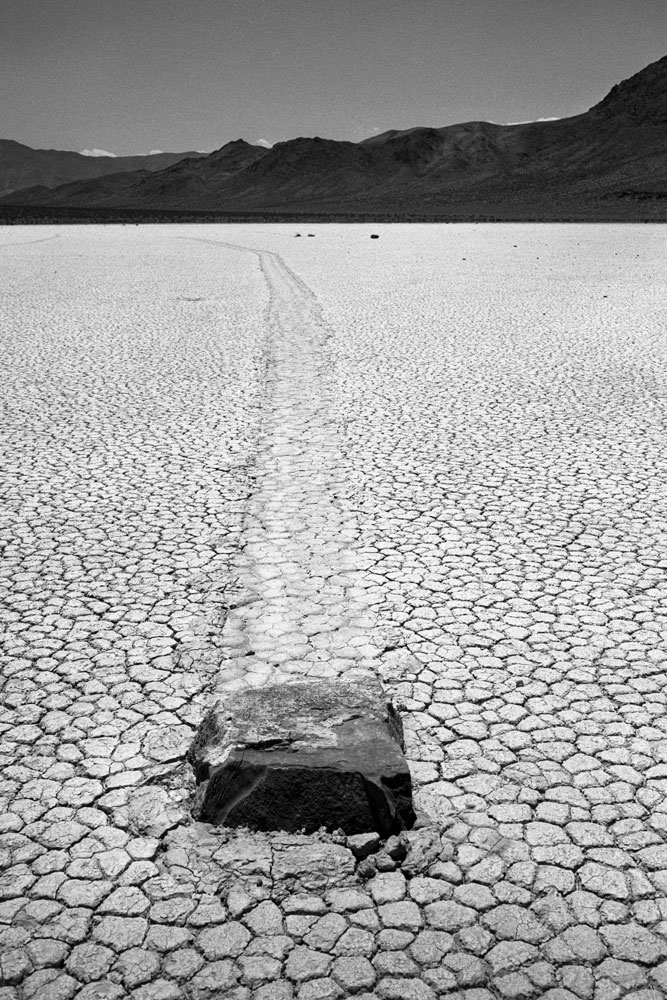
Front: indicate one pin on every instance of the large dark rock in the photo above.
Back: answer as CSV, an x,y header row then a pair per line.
x,y
304,755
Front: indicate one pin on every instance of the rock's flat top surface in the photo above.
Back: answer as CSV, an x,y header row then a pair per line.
x,y
301,717
484,525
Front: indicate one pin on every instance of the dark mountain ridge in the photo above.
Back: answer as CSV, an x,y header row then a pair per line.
x,y
615,152
21,166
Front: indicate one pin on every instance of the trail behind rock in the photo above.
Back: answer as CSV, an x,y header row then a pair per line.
x,y
303,604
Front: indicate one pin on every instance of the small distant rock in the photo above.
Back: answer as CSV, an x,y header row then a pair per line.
x,y
311,234
297,234
375,236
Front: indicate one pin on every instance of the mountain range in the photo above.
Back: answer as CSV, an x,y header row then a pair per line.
x,y
608,162
23,167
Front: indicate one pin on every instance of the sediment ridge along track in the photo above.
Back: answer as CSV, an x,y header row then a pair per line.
x,y
304,603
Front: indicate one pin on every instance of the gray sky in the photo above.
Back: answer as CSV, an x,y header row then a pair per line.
x,y
130,76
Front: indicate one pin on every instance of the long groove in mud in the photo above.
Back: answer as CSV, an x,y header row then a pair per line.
x,y
304,605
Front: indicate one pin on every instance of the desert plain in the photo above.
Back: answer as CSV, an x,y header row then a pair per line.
x,y
232,455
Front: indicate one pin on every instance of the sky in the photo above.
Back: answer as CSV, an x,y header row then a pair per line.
x,y
131,76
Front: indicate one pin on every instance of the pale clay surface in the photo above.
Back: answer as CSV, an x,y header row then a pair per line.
x,y
232,456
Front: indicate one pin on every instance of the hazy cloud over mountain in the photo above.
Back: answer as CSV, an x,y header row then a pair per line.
x,y
529,121
102,152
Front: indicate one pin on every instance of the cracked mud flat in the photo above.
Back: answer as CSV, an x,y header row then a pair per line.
x,y
234,457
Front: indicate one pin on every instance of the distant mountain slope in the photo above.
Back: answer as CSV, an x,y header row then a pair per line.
x,y
21,166
616,151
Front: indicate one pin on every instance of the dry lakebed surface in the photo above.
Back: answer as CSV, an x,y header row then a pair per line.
x,y
236,457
